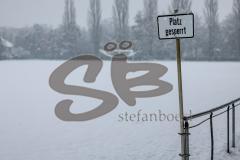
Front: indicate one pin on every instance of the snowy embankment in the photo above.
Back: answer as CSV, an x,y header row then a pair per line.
x,y
30,130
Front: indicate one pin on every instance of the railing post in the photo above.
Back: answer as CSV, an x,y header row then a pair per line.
x,y
228,131
212,136
233,126
186,148
185,139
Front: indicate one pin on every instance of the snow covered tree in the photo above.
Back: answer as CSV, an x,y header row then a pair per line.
x,y
1,50
94,20
183,6
1,47
35,40
213,29
120,19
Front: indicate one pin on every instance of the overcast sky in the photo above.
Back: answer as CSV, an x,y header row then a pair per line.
x,y
19,13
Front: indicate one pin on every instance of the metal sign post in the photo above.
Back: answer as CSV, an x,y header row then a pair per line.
x,y
175,27
180,94
180,91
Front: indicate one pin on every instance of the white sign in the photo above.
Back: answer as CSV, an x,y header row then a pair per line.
x,y
176,26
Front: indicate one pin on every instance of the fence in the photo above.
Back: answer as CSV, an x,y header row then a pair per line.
x,y
226,109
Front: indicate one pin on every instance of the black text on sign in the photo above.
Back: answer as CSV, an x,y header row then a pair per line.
x,y
176,26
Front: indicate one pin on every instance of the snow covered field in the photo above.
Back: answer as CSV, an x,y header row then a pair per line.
x,y
29,129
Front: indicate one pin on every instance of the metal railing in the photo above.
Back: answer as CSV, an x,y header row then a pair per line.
x,y
226,109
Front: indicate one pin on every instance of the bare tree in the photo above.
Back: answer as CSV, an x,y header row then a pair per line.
x,y
120,19
70,32
69,17
72,13
236,8
66,16
211,18
183,6
94,20
150,28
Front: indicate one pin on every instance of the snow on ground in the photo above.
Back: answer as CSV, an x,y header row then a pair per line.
x,y
29,129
